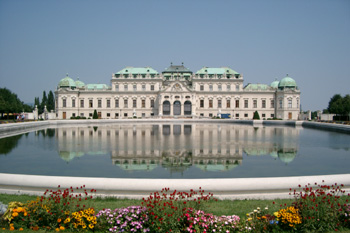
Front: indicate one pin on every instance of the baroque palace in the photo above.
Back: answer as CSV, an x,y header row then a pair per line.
x,y
178,92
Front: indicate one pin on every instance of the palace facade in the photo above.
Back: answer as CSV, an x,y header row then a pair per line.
x,y
178,92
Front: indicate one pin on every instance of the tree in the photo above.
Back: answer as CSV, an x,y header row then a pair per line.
x,y
50,101
256,116
95,116
36,102
43,103
339,105
10,103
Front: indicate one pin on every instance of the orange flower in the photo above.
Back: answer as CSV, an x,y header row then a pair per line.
x,y
62,228
59,220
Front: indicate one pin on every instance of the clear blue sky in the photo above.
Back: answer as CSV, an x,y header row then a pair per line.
x,y
41,41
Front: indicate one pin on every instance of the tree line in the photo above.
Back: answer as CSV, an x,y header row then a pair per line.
x,y
339,105
48,101
10,103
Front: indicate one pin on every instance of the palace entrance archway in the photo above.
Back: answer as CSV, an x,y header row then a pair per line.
x,y
166,108
188,108
177,108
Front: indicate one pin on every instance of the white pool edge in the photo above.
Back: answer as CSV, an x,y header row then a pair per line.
x,y
230,188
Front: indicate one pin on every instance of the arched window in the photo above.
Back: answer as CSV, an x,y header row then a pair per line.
x,y
166,108
187,107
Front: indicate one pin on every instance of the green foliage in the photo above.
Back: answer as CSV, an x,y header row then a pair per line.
x,y
256,116
95,116
10,103
50,101
339,105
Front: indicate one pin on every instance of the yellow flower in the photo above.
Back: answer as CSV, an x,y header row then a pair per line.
x,y
91,226
14,214
67,220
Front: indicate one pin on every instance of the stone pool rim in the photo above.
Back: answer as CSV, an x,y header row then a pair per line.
x,y
223,188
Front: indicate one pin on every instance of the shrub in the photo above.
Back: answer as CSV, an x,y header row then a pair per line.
x,y
167,209
129,219
322,207
59,210
256,116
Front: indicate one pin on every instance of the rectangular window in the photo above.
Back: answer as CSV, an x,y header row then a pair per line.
x,y
108,103
117,103
91,104
281,103
228,87
108,114
152,103
143,103
272,115
125,103
237,87
245,114
134,103
134,87
255,103
290,103
201,103
263,115
117,87
201,87
219,104
263,103
73,103
245,103
210,87
219,87
81,103
125,87
228,103
152,87
143,87
99,103
237,114
64,103
272,104
237,103
210,103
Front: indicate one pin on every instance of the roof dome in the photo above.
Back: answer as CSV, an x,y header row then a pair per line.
x,y
79,83
67,82
274,84
287,82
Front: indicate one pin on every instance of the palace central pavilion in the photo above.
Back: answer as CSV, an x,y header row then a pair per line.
x,y
178,92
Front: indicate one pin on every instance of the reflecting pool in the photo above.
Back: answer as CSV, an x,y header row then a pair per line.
x,y
176,151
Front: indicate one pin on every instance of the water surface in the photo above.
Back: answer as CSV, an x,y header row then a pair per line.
x,y
176,151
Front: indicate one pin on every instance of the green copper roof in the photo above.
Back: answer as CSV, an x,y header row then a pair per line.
x,y
274,84
222,70
96,86
256,87
67,82
177,69
79,84
138,70
287,82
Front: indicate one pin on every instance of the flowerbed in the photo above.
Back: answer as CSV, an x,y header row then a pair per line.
x,y
316,207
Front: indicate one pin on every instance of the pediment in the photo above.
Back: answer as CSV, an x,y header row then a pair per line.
x,y
177,87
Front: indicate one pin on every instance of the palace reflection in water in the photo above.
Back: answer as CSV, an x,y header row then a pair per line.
x,y
177,147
